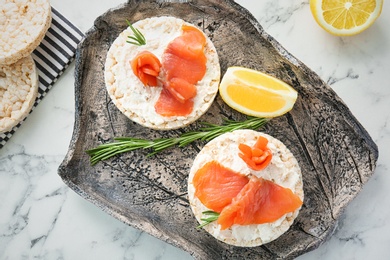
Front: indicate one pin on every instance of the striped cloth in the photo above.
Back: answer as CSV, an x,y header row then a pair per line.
x,y
52,57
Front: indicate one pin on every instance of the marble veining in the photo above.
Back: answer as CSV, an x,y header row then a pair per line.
x,y
41,218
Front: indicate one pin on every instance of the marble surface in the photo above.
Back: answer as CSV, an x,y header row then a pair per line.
x,y
41,218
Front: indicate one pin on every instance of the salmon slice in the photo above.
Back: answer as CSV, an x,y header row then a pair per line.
x,y
260,201
184,57
183,64
146,66
181,47
179,67
180,89
257,157
216,186
167,105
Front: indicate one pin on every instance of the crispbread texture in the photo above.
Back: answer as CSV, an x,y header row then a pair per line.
x,y
18,91
137,101
283,170
23,24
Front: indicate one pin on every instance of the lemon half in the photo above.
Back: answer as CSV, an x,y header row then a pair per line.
x,y
345,17
255,93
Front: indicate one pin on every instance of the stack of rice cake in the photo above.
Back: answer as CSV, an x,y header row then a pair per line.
x,y
23,24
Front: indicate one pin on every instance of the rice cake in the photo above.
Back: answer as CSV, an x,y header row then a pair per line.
x,y
23,24
18,91
282,170
137,101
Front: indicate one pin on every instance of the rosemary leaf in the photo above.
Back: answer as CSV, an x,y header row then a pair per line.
x,y
210,216
138,38
205,133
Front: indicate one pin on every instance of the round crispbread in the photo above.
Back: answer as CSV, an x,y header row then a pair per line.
x,y
137,101
23,24
282,170
18,91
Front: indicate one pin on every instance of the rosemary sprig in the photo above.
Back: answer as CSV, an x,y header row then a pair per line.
x,y
205,133
210,216
138,38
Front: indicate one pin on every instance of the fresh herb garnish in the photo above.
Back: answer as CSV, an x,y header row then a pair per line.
x,y
138,38
210,216
205,133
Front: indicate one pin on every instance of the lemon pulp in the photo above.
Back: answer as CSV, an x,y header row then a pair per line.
x,y
265,101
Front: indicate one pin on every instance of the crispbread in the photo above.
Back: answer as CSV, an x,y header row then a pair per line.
x,y
18,91
23,25
137,101
283,170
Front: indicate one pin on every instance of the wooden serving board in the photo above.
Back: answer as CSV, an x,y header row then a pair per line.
x,y
336,154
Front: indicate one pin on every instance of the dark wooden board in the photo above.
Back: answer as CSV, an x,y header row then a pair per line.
x,y
336,154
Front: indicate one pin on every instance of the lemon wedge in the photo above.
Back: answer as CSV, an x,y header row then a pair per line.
x,y
345,17
256,94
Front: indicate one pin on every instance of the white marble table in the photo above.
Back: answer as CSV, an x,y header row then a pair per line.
x,y
41,218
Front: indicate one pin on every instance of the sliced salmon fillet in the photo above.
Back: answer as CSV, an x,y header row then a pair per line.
x,y
179,67
180,89
257,157
184,57
260,201
167,105
146,66
184,64
216,186
190,45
